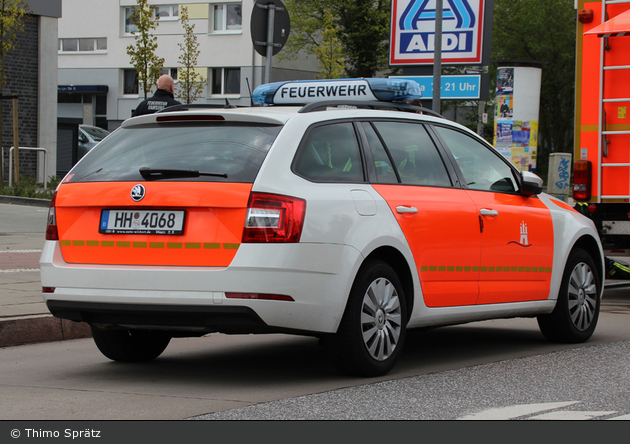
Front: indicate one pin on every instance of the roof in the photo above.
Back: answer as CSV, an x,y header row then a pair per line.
x,y
615,27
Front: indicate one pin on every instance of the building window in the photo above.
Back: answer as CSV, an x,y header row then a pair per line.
x,y
226,81
83,45
130,82
227,17
171,72
167,12
130,22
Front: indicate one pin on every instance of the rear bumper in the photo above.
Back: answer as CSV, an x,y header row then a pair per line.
x,y
196,320
317,276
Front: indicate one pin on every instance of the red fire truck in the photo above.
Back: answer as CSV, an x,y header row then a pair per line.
x,y
601,175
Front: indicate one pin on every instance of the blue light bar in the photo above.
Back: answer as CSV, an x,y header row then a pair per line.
x,y
300,92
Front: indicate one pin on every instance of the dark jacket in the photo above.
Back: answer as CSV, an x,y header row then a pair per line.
x,y
160,100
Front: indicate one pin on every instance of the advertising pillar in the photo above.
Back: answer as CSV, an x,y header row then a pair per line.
x,y
516,118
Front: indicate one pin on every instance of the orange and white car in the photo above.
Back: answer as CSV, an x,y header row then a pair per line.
x,y
350,222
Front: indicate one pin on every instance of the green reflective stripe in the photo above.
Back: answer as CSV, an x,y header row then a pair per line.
x,y
158,245
485,269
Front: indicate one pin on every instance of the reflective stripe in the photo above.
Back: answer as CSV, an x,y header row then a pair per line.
x,y
503,268
171,245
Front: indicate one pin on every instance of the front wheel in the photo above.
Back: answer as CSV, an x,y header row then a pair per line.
x,y
577,309
130,345
372,331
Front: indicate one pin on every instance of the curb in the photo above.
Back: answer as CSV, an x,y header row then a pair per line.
x,y
37,329
25,201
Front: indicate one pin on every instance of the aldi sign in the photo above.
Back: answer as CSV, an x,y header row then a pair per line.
x,y
413,32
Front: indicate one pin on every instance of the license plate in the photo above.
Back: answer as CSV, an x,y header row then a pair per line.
x,y
142,222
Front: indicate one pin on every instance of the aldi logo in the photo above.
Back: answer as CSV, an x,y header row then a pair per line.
x,y
413,31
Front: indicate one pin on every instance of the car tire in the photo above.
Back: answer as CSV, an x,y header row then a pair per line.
x,y
130,345
575,316
372,331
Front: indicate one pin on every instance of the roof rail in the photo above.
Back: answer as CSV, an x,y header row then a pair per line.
x,y
399,106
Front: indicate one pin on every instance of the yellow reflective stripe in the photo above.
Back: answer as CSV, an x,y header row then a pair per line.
x,y
485,269
167,245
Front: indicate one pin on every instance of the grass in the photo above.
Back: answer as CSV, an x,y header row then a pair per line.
x,y
28,187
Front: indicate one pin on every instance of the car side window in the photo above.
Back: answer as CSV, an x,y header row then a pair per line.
x,y
382,163
482,168
415,156
330,153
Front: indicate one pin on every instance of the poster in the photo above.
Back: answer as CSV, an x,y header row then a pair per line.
x,y
504,133
505,106
514,137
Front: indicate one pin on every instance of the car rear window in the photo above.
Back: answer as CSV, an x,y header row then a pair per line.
x,y
221,151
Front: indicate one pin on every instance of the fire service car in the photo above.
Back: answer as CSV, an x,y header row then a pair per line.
x,y
336,210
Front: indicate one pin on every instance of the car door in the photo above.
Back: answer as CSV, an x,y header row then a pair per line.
x,y
439,220
517,231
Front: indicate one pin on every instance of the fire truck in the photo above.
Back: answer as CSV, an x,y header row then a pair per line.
x,y
601,173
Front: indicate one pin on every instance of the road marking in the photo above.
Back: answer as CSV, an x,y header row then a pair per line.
x,y
20,270
20,251
621,418
571,415
515,411
518,411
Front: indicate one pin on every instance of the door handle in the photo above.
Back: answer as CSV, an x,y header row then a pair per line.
x,y
402,209
486,212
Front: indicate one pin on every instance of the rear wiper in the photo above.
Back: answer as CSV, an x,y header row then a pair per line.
x,y
167,173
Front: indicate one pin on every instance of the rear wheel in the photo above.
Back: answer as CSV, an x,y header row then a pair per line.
x,y
372,331
577,309
130,345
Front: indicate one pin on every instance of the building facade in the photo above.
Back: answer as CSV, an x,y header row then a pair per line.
x,y
31,76
98,85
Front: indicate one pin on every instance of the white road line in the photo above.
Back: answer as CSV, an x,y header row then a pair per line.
x,y
515,411
620,418
567,415
20,270
20,251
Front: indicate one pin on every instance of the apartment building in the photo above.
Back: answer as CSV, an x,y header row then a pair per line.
x,y
98,85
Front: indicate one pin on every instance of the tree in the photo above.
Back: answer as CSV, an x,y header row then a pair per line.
x,y
363,29
329,52
13,13
143,58
190,81
542,31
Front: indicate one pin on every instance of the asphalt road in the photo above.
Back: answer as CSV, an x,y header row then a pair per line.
x,y
446,373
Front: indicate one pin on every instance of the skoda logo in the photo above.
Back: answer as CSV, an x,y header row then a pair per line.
x,y
137,193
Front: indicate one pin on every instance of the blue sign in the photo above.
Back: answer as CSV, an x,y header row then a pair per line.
x,y
456,87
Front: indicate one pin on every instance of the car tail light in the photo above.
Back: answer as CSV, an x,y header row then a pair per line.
x,y
582,180
274,218
51,224
48,289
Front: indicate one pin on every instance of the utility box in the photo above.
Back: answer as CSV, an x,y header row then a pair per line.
x,y
559,177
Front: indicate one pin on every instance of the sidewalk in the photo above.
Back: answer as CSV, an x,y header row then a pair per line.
x,y
24,317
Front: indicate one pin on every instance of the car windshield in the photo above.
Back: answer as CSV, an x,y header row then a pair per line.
x,y
96,133
230,152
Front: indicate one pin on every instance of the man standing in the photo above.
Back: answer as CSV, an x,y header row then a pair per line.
x,y
163,97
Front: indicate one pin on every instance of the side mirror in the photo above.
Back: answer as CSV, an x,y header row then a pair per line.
x,y
531,184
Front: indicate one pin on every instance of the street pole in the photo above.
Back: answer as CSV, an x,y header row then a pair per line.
x,y
437,59
271,18
16,154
